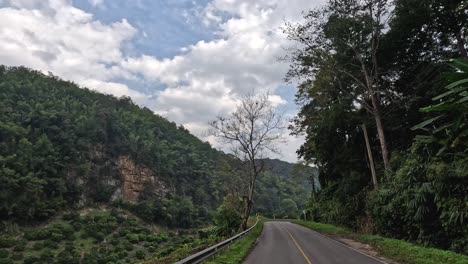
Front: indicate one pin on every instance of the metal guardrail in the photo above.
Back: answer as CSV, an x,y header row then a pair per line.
x,y
208,252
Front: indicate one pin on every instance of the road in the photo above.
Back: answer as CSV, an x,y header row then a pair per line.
x,y
285,243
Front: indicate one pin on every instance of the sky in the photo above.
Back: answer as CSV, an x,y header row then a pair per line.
x,y
187,60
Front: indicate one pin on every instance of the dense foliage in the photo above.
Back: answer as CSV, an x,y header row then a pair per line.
x,y
421,99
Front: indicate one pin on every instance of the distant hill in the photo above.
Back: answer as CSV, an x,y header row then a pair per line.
x,y
284,189
295,171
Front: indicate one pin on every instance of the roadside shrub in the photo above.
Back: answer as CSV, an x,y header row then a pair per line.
x,y
206,232
420,202
228,216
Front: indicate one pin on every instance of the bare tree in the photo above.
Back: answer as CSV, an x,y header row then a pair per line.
x,y
251,132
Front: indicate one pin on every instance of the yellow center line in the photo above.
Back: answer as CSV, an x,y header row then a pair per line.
x,y
298,247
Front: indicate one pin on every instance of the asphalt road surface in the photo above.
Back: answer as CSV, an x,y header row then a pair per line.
x,y
284,243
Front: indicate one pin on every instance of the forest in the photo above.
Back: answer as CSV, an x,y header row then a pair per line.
x,y
397,74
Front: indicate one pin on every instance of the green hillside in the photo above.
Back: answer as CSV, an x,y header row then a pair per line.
x,y
66,147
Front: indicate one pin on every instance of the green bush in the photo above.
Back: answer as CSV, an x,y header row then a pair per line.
x,y
7,241
132,238
64,230
47,256
31,260
99,236
128,246
228,216
418,203
71,216
68,256
99,224
20,246
152,249
39,234
4,253
140,254
50,244
38,246
17,256
76,226
114,242
57,237
6,261
123,232
163,238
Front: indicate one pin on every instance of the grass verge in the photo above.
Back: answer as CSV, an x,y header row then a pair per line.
x,y
237,252
398,250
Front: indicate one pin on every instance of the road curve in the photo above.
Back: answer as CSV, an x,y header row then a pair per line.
x,y
284,243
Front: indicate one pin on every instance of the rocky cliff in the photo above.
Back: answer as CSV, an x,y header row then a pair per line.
x,y
135,179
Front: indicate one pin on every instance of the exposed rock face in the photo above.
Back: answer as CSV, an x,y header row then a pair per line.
x,y
135,179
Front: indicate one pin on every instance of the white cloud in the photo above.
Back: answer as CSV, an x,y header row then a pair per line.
x,y
203,81
96,2
113,88
65,40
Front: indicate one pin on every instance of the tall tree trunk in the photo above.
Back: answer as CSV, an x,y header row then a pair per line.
x,y
461,45
248,203
371,158
380,130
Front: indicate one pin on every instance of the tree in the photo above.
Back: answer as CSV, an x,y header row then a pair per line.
x,y
288,208
342,41
251,131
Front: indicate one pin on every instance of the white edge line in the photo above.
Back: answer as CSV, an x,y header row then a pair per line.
x,y
341,243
